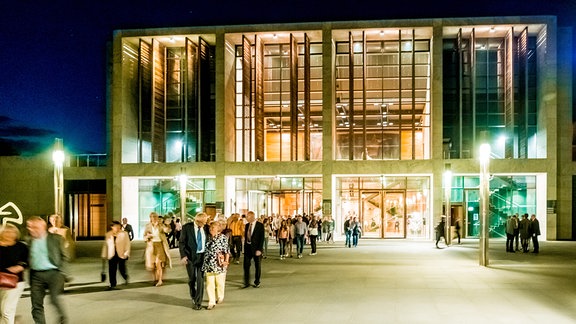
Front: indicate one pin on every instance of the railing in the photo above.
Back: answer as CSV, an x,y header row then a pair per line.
x,y
88,160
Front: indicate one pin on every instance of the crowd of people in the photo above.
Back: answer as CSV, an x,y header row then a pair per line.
x,y
207,246
519,233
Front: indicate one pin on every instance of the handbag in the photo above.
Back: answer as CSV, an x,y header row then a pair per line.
x,y
8,280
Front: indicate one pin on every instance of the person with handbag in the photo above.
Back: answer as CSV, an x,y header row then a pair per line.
x,y
216,260
13,261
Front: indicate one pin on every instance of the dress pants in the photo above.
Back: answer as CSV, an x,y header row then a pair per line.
x,y
236,247
248,256
116,263
53,280
9,302
196,280
535,244
215,285
509,242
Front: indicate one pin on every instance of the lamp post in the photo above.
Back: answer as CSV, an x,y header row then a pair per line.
x,y
183,178
447,196
58,159
484,203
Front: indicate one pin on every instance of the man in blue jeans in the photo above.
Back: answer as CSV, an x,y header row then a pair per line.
x,y
300,228
348,232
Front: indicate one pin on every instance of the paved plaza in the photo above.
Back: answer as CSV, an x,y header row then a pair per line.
x,y
380,281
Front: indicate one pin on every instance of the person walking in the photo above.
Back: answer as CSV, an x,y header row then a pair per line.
x,y
127,228
56,226
13,259
534,233
524,232
116,249
48,261
192,247
457,227
291,236
440,231
331,227
510,227
253,246
356,231
348,232
236,225
283,236
300,229
516,232
157,254
313,235
216,260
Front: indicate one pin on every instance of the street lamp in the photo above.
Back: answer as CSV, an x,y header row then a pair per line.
x,y
58,158
183,178
484,203
447,195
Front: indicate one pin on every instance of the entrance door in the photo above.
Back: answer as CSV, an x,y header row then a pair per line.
x,y
371,215
394,224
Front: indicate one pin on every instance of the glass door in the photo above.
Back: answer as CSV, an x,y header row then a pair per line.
x,y
394,215
371,215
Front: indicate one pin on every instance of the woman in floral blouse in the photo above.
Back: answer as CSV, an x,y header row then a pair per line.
x,y
216,260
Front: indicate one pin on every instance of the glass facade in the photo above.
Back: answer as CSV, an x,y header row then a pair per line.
x,y
386,206
490,85
170,87
279,100
390,103
383,96
163,196
282,196
509,195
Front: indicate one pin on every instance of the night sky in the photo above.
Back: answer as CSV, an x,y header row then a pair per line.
x,y
53,53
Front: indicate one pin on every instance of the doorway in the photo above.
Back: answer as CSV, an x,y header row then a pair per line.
x,y
383,214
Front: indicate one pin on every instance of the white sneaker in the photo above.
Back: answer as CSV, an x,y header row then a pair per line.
x,y
299,256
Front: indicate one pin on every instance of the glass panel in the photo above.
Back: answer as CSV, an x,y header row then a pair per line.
x,y
394,216
371,216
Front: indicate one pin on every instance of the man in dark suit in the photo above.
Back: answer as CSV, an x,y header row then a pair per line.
x,y
192,247
127,228
48,268
253,246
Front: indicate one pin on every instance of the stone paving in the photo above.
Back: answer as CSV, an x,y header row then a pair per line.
x,y
380,281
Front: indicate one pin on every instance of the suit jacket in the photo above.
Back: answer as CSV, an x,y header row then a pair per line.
x,y
57,253
257,240
128,229
188,244
121,245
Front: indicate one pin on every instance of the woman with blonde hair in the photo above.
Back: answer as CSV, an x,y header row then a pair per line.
x,y
215,264
13,259
157,254
56,226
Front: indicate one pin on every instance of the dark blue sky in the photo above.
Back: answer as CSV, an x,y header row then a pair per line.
x,y
53,53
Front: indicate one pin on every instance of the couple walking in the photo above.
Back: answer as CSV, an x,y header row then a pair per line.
x,y
206,253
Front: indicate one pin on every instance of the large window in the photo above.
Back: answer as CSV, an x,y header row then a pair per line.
x,y
283,196
509,195
383,96
385,206
278,98
490,85
168,79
